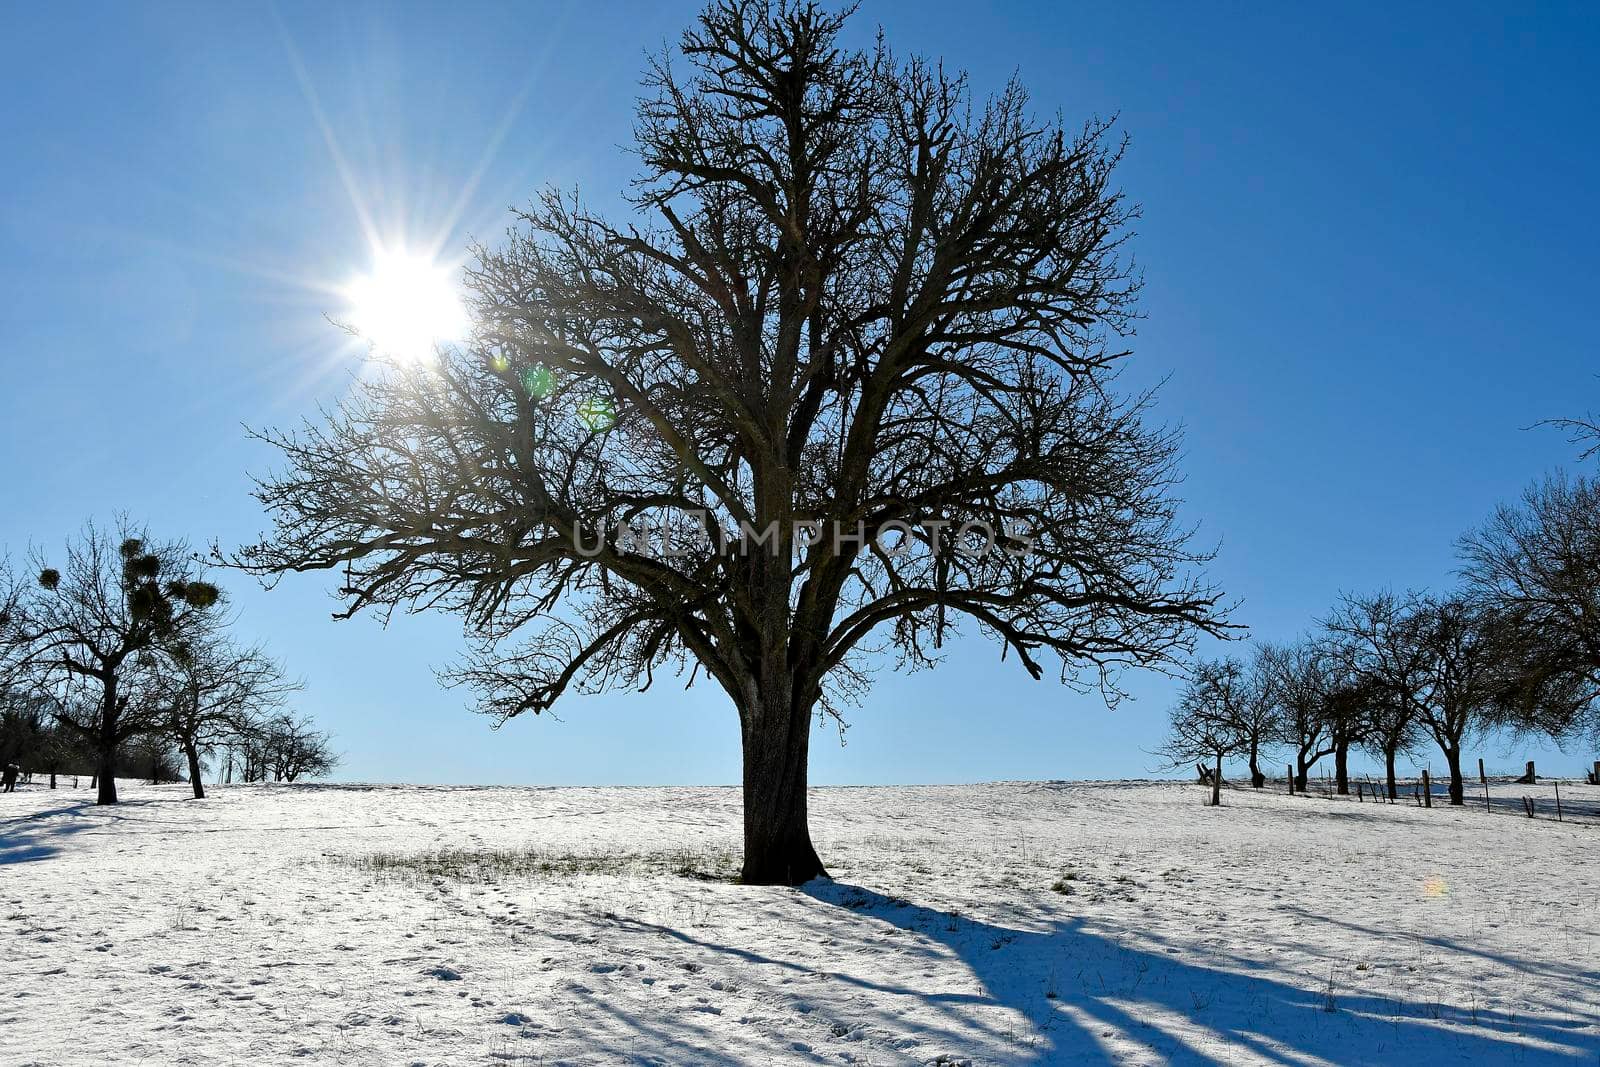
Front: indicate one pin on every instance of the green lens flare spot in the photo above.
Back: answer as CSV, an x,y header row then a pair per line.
x,y
596,414
500,363
538,381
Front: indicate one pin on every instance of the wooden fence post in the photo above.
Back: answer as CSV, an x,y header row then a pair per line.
x,y
1558,802
1427,791
1290,767
1484,778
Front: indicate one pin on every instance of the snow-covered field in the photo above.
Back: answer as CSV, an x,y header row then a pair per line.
x,y
1019,923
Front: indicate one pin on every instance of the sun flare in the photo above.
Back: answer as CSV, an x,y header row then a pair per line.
x,y
406,305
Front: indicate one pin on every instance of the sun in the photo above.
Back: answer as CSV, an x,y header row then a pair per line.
x,y
406,305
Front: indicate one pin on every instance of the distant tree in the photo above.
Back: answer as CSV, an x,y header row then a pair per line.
x,y
860,353
1206,723
1443,657
1347,711
23,728
1466,679
150,755
1257,718
1391,731
95,634
1537,566
217,691
1297,679
1380,639
294,749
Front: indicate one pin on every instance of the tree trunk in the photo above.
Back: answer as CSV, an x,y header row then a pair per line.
x,y
777,840
1458,792
193,754
1341,769
106,765
1257,778
1388,768
1216,783
52,779
1300,775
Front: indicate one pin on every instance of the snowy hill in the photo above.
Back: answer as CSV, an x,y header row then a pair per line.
x,y
1016,923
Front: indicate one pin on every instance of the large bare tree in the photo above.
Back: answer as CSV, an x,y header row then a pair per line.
x,y
855,352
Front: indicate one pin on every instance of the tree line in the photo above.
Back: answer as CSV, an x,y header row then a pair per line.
x,y
1516,647
119,659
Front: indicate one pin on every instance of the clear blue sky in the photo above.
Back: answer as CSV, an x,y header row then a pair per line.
x,y
1369,240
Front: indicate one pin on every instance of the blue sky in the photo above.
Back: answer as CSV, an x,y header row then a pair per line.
x,y
1368,239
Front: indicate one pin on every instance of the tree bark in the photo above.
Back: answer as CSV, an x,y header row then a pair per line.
x,y
193,754
777,839
1257,778
1341,770
106,766
1216,783
1458,792
1388,767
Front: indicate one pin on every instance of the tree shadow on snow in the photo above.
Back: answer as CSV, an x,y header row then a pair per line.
x,y
1091,999
38,834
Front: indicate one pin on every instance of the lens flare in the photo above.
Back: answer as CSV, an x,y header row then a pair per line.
x,y
406,306
597,415
538,381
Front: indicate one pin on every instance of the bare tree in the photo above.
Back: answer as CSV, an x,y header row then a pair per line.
x,y
1381,640
96,633
857,352
218,689
1537,565
1467,675
1443,658
294,749
1207,724
1391,730
1257,718
1296,679
1347,710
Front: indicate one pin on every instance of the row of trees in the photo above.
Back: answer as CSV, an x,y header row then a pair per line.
x,y
1516,648
126,639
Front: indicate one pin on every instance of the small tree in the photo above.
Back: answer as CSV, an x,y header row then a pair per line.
x,y
1466,675
1296,679
1379,642
219,690
1206,725
1347,710
294,749
96,634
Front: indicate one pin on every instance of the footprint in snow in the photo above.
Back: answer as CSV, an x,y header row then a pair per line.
x,y
443,973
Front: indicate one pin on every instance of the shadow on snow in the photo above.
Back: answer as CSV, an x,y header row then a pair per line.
x,y
1066,993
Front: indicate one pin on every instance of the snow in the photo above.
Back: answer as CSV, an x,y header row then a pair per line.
x,y
414,925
